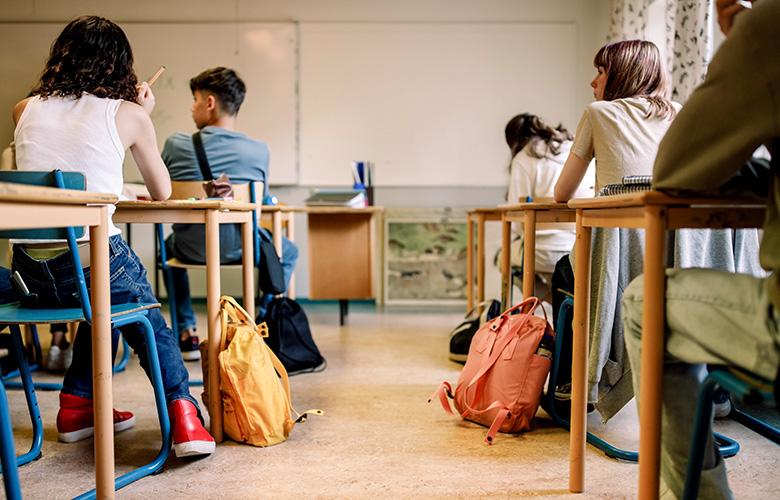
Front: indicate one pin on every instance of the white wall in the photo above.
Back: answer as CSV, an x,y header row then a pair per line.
x,y
589,18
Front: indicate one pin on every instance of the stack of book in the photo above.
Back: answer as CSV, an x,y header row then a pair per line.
x,y
630,184
353,198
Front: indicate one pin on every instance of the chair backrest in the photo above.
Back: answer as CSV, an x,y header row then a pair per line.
x,y
246,192
70,180
184,190
62,180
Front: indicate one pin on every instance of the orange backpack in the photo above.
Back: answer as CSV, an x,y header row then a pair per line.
x,y
507,365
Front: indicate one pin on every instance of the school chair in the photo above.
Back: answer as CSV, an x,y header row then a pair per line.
x,y
11,384
183,190
8,451
121,315
742,385
728,447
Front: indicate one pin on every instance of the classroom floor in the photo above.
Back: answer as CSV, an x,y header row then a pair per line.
x,y
379,436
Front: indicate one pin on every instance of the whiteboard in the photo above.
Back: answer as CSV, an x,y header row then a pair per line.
x,y
264,55
427,102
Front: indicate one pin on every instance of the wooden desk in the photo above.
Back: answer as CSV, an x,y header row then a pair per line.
x,y
342,255
657,213
278,218
212,213
529,214
478,216
29,207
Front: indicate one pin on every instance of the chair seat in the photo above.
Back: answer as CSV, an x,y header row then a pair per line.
x,y
184,265
14,314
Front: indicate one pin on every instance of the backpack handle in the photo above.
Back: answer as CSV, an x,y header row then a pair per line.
x,y
533,302
230,309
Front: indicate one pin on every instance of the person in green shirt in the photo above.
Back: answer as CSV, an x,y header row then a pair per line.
x,y
715,317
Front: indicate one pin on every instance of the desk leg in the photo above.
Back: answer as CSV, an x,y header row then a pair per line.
x,y
480,258
506,270
291,237
101,357
277,230
247,260
579,371
651,383
529,253
469,263
212,314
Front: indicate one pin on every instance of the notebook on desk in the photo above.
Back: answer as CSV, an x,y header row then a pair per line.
x,y
353,198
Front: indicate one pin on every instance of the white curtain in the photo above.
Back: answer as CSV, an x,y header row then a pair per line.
x,y
688,37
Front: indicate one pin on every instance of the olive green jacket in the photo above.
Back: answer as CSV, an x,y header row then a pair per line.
x,y
734,111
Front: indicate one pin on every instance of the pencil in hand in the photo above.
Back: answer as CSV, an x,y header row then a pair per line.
x,y
156,76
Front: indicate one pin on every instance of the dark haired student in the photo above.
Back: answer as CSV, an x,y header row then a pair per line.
x,y
84,113
217,96
539,152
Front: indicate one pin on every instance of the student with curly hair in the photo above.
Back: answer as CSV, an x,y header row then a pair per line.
x,y
85,112
538,154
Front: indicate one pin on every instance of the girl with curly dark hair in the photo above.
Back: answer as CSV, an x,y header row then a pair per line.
x,y
538,154
84,113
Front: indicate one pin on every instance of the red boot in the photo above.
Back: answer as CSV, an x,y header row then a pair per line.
x,y
190,439
75,420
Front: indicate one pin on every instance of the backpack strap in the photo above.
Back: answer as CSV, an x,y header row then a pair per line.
x,y
443,393
501,416
200,153
501,342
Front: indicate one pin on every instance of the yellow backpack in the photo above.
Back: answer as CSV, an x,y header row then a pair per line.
x,y
256,403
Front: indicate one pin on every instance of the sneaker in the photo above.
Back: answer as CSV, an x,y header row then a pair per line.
x,y
721,401
75,420
58,359
190,438
562,401
190,347
460,337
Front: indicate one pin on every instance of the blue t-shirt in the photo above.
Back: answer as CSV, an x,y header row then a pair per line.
x,y
231,153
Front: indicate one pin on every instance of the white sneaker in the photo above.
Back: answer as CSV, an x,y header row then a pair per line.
x,y
57,359
723,409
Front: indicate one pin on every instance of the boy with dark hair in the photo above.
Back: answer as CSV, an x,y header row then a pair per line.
x,y
217,97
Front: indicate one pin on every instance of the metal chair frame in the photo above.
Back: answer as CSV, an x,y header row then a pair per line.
x,y
122,315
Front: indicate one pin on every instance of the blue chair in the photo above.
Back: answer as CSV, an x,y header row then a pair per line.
x,y
10,383
728,447
8,461
121,315
194,189
182,190
743,386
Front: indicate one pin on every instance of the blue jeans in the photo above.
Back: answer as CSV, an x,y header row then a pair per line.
x,y
185,316
55,283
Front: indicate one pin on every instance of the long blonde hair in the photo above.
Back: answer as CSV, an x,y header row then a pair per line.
x,y
634,69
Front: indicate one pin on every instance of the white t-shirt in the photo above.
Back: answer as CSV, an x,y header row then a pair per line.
x,y
73,135
621,137
536,177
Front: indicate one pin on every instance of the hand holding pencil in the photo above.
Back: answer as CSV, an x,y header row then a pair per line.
x,y
145,96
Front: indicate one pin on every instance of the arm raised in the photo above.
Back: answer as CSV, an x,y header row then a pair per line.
x,y
137,132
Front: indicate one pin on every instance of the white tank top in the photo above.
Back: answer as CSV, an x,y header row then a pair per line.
x,y
73,135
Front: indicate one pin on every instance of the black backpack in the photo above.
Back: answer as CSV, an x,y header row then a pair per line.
x,y
289,337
